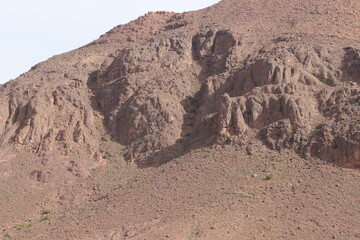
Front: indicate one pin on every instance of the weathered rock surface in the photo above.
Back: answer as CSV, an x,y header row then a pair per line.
x,y
237,99
287,94
187,86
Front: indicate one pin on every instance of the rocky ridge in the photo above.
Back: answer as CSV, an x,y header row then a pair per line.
x,y
180,89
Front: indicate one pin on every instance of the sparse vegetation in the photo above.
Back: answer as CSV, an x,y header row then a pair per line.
x,y
57,119
192,109
131,180
45,214
7,236
122,147
241,65
269,176
102,149
244,101
128,182
242,195
98,126
47,211
18,226
45,217
194,28
23,226
187,133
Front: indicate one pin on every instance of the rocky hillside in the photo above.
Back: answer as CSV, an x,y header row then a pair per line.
x,y
278,74
187,83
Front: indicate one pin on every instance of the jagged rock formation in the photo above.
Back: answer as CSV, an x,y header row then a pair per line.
x,y
283,94
237,99
46,119
288,100
199,83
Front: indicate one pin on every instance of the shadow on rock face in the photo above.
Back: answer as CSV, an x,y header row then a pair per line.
x,y
283,95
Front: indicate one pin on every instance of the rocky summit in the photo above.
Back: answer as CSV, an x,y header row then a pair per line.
x,y
238,121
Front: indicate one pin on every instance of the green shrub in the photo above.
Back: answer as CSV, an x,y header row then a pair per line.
x,y
45,217
101,149
269,176
47,211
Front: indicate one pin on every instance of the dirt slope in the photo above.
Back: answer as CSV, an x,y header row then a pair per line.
x,y
232,122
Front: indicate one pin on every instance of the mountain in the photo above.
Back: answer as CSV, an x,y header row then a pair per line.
x,y
238,121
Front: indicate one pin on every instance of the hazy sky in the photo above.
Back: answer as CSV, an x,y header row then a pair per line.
x,y
34,30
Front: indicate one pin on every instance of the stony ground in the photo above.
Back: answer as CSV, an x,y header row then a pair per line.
x,y
218,193
238,121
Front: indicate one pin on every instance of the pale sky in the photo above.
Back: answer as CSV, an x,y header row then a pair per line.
x,y
32,31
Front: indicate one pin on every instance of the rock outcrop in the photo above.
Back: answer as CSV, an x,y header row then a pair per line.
x,y
283,95
188,85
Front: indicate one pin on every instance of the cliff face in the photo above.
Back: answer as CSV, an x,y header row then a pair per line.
x,y
303,96
165,80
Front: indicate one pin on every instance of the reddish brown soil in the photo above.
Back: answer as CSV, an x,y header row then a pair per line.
x,y
238,121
